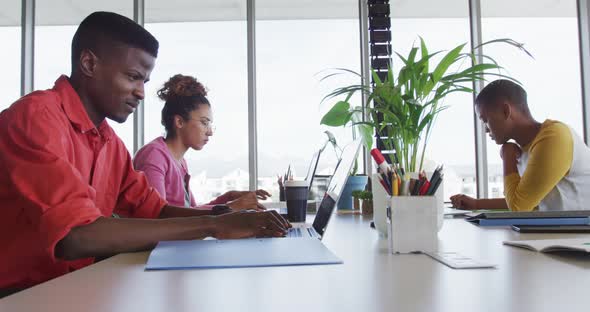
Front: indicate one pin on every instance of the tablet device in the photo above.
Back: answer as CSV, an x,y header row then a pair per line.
x,y
551,228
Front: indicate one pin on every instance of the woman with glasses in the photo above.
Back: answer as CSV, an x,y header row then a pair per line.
x,y
187,118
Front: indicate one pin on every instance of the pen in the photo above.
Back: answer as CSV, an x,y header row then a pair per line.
x,y
424,187
395,185
385,180
418,184
434,180
405,185
416,187
434,187
379,159
384,186
288,174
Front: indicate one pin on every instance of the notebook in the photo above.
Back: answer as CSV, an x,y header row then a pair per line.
x,y
551,228
566,217
552,245
238,253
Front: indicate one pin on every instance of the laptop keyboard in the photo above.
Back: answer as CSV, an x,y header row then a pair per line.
x,y
299,232
294,232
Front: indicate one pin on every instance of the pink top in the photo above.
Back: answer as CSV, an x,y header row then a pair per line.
x,y
166,175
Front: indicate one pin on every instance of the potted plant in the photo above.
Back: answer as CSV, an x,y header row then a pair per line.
x,y
367,205
357,196
363,201
403,107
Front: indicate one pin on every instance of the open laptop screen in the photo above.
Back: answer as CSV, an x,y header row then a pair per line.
x,y
335,187
342,171
312,168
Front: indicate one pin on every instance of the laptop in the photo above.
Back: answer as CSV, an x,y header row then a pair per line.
x,y
333,192
281,207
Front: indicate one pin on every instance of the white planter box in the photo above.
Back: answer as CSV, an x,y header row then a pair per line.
x,y
413,224
381,202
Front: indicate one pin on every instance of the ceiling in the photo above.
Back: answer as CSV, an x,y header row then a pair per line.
x,y
71,12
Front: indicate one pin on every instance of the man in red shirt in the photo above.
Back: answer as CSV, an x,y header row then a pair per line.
x,y
64,172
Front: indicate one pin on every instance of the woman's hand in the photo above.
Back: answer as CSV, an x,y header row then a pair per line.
x,y
246,202
260,194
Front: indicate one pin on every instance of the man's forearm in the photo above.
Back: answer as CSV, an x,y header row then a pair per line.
x,y
108,236
180,212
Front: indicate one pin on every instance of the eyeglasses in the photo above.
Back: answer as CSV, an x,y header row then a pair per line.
x,y
205,124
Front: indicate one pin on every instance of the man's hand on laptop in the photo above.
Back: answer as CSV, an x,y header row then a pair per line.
x,y
250,224
248,201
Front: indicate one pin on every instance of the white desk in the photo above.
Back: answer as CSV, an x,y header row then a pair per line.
x,y
370,279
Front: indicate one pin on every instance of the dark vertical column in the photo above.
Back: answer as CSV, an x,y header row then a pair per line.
x,y
380,46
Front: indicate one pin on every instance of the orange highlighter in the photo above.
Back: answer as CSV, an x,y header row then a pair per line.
x,y
395,185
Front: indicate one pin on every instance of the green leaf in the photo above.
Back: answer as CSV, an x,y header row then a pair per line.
x,y
509,41
390,79
446,62
345,90
376,78
424,52
367,135
338,116
412,56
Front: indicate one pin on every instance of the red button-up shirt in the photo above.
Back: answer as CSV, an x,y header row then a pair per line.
x,y
59,171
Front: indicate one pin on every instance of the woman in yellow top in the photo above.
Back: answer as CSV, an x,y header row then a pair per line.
x,y
548,164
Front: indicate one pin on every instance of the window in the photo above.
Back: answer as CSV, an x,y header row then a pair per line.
x,y
296,46
552,79
55,25
451,142
207,41
10,35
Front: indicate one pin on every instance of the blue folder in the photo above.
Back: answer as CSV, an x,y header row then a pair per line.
x,y
532,221
236,253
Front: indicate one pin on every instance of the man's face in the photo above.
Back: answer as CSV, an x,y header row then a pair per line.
x,y
495,120
119,80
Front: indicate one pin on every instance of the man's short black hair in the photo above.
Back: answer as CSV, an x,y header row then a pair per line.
x,y
503,89
103,28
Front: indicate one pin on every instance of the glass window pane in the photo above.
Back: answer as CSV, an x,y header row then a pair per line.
x,y
10,35
56,22
549,31
293,54
451,142
209,44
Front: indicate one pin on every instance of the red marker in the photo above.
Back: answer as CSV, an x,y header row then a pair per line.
x,y
380,160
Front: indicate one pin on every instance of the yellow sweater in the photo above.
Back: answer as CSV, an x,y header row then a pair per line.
x,y
550,157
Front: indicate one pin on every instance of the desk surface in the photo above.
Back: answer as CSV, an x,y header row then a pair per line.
x,y
370,279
